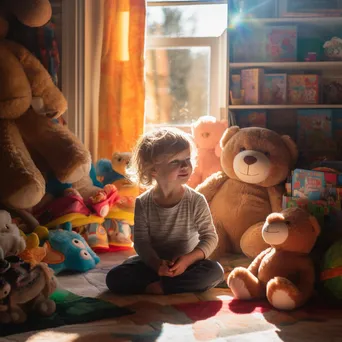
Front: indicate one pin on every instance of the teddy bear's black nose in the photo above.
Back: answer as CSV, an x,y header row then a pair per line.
x,y
250,160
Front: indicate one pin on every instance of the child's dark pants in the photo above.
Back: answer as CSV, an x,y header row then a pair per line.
x,y
133,276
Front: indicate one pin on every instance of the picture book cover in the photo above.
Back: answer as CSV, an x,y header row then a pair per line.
x,y
332,89
274,89
308,184
247,44
236,86
303,89
251,83
281,43
318,208
330,179
314,129
337,125
252,118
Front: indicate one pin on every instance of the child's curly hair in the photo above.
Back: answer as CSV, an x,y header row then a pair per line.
x,y
166,143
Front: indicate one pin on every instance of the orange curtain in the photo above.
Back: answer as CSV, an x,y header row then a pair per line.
x,y
122,93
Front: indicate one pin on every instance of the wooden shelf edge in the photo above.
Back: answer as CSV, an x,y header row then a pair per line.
x,y
288,65
314,20
319,106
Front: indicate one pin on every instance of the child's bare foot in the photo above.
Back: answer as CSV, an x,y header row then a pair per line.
x,y
154,288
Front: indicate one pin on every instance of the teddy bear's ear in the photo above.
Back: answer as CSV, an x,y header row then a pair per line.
x,y
315,225
228,134
32,13
292,147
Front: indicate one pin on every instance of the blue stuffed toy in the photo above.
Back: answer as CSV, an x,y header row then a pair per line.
x,y
67,250
105,172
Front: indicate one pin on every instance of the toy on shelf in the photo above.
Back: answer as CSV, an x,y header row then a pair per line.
x,y
333,49
284,273
207,132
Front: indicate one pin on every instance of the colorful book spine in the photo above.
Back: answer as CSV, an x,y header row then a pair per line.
x,y
251,83
274,89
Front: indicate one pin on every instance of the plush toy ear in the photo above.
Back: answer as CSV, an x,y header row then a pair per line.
x,y
292,147
315,225
224,123
228,134
32,13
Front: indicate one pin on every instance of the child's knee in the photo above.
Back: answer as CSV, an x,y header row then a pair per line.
x,y
215,272
113,280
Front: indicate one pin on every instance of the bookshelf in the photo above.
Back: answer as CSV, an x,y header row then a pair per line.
x,y
312,29
332,65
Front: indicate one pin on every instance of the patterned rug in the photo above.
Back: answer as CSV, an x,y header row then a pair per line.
x,y
227,320
210,316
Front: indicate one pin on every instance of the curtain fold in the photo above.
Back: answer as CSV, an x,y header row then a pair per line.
x,y
94,27
121,83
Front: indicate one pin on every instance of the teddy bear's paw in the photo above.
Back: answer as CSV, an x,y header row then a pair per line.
x,y
281,293
77,174
239,289
18,316
5,318
281,300
46,307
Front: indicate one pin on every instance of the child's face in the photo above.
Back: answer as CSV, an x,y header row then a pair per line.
x,y
176,169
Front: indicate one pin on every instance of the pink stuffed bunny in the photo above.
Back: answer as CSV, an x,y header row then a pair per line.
x,y
207,133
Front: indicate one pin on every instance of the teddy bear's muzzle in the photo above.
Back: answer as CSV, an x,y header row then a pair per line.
x,y
275,233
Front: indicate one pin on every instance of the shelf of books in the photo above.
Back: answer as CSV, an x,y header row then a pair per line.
x,y
317,191
290,65
285,71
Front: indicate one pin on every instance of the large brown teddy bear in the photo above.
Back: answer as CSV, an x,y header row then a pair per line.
x,y
284,273
255,161
31,145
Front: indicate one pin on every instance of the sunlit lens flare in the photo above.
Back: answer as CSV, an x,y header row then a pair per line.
x,y
236,21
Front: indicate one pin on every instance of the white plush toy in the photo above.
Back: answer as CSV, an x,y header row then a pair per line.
x,y
11,242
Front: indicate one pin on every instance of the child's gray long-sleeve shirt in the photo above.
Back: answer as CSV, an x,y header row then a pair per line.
x,y
167,233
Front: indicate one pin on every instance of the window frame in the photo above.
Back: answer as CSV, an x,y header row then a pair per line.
x,y
217,64
73,63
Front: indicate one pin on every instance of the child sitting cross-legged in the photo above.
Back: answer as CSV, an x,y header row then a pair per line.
x,y
174,232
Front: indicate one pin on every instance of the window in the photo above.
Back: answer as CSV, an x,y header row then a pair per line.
x,y
185,61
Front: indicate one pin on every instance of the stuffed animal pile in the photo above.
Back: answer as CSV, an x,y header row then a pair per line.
x,y
24,288
33,147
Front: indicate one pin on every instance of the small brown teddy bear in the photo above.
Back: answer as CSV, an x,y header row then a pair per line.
x,y
284,273
255,161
